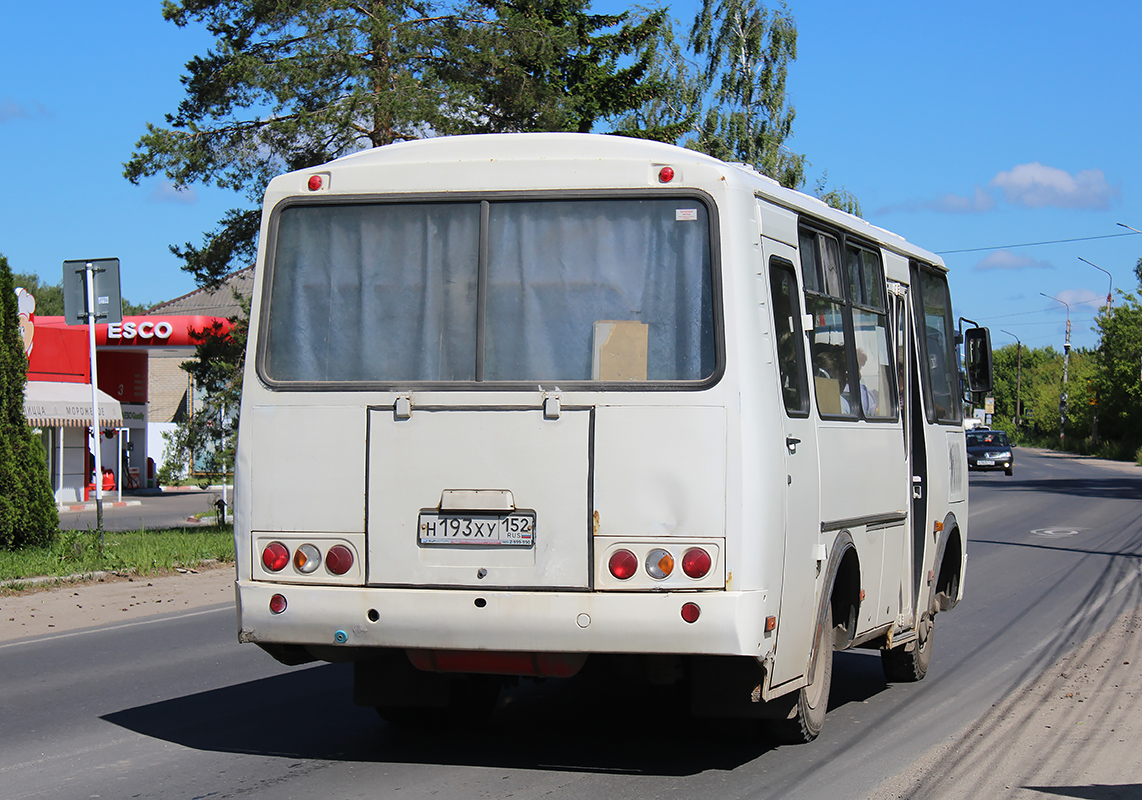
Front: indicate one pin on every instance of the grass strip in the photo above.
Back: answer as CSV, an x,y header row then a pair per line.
x,y
132,552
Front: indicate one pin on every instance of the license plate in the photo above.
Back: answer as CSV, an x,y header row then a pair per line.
x,y
983,462
516,529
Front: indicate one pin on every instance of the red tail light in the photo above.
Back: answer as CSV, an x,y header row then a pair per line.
x,y
622,564
691,612
277,604
339,559
275,556
696,562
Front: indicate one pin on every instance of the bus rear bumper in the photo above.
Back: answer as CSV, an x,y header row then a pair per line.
x,y
355,617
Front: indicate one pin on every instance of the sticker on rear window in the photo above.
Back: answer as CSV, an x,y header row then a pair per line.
x,y
685,214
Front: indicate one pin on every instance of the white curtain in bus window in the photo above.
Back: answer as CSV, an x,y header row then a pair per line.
x,y
870,331
939,343
559,268
821,264
374,292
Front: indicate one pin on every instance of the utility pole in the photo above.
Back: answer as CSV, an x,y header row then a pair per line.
x,y
1018,377
1066,365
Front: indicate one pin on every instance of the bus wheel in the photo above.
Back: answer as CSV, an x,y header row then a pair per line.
x,y
471,700
907,666
808,714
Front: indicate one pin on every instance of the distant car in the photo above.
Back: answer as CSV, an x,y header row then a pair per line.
x,y
988,450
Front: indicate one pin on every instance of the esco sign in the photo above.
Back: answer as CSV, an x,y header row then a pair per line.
x,y
143,330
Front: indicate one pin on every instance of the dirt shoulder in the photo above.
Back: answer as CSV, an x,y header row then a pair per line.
x,y
1072,732
110,598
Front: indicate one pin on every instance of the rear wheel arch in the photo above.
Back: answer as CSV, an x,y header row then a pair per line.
x,y
948,567
843,592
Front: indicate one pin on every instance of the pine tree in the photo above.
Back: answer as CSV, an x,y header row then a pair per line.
x,y
546,65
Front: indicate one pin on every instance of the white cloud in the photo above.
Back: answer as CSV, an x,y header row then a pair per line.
x,y
1006,260
1079,297
1036,185
167,192
1031,185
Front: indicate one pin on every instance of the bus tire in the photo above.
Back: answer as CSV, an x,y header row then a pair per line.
x,y
902,665
807,716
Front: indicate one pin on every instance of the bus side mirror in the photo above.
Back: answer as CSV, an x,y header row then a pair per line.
x,y
977,359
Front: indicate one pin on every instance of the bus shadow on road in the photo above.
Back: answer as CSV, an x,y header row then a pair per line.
x,y
1124,488
565,725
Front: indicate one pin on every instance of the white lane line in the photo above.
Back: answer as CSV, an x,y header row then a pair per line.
x,y
119,626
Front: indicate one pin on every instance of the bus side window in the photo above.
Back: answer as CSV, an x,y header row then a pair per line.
x,y
934,317
788,334
870,327
830,341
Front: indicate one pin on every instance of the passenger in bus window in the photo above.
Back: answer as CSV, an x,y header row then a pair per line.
x,y
868,397
829,367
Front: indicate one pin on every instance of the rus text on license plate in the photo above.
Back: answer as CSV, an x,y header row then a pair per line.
x,y
515,529
986,462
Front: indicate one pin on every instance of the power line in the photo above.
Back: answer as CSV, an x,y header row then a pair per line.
x,y
1050,309
1034,244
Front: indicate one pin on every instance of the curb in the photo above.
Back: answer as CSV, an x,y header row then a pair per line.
x,y
97,575
91,506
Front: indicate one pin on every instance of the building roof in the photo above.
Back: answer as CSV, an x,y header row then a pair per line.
x,y
219,302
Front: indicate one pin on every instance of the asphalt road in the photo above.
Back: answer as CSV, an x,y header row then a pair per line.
x,y
173,708
172,508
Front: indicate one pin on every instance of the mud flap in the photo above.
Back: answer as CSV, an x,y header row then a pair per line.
x,y
730,687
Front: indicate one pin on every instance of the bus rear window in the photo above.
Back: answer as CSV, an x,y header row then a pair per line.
x,y
505,291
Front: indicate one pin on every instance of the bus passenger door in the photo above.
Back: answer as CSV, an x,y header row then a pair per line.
x,y
912,412
797,623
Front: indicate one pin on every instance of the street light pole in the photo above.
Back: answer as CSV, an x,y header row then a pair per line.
x,y
1110,291
1018,377
1066,364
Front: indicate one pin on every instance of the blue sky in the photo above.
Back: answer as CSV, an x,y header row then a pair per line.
x,y
961,126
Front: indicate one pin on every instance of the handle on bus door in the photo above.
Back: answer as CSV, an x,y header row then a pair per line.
x,y
791,442
917,487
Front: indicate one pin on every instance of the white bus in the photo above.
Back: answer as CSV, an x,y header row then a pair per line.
x,y
514,402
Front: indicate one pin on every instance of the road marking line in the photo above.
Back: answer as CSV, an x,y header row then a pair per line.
x,y
120,625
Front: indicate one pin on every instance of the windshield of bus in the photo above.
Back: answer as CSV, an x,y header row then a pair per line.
x,y
616,289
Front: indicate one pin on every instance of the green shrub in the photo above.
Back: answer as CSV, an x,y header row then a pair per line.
x,y
28,514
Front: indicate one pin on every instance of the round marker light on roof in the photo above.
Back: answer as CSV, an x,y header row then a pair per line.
x,y
315,183
339,559
307,559
691,612
275,557
277,604
696,562
666,175
659,564
622,564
